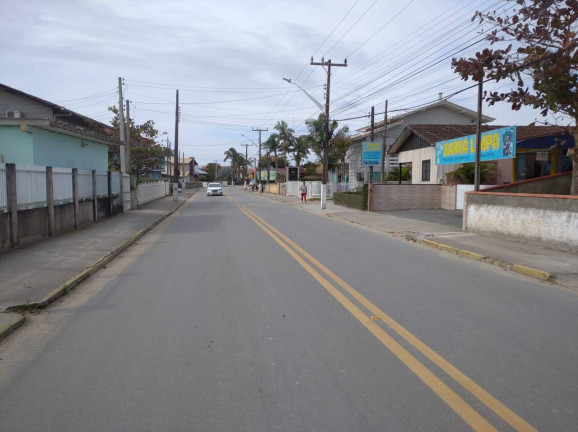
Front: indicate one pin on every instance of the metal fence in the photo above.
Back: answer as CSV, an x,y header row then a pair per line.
x,y
101,184
3,197
30,186
62,185
115,183
84,185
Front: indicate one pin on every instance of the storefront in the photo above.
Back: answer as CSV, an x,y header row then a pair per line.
x,y
542,156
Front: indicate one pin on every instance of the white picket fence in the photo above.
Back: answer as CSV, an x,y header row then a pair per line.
x,y
314,188
151,191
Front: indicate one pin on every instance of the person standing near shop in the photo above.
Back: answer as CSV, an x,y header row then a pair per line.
x,y
303,190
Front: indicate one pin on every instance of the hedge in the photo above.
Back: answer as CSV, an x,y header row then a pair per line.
x,y
357,200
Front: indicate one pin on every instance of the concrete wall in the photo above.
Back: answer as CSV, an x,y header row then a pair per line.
x,y
16,146
557,184
58,150
546,218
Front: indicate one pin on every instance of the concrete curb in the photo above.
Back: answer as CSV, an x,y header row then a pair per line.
x,y
72,283
527,271
11,325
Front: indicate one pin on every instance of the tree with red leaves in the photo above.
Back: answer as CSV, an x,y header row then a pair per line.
x,y
536,44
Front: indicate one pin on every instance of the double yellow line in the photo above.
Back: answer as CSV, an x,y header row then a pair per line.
x,y
370,321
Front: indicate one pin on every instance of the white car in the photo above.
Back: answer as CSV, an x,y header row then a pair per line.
x,y
214,189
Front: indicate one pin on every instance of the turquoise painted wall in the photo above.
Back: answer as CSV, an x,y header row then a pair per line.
x,y
16,146
57,150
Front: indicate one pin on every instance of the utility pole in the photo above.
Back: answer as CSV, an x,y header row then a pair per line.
x,y
245,176
384,147
327,133
259,164
370,185
121,127
478,134
128,143
176,154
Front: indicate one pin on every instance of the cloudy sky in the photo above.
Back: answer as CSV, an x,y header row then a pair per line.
x,y
228,58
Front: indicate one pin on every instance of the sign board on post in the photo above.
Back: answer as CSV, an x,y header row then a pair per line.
x,y
371,154
496,144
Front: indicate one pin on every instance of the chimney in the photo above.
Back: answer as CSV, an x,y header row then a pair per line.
x,y
440,96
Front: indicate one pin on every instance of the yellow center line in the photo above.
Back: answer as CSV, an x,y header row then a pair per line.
x,y
491,402
451,398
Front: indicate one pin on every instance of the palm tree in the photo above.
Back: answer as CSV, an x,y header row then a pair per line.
x,y
285,135
316,129
233,156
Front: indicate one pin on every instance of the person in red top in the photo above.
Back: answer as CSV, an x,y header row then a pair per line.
x,y
303,190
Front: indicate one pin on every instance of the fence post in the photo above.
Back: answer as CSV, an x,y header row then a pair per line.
x,y
109,182
94,198
12,201
50,200
75,197
121,187
133,192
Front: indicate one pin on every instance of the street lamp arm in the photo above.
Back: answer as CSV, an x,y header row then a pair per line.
x,y
320,106
249,139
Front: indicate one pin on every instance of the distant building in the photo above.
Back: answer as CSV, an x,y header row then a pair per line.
x,y
37,132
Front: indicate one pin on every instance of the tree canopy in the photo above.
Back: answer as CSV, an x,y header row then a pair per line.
x,y
536,49
147,155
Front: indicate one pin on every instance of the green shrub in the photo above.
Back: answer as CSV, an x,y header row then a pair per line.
x,y
357,200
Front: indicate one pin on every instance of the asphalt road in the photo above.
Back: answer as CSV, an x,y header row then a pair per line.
x,y
242,314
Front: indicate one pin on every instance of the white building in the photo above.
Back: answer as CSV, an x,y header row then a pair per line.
x,y
440,112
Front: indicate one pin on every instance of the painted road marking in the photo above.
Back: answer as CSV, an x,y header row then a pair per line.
x,y
472,417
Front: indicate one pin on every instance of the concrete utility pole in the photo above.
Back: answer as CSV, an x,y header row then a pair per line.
x,y
176,155
327,133
259,163
370,185
478,135
384,147
128,143
245,176
121,132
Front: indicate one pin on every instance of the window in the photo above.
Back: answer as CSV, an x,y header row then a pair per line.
x,y
425,170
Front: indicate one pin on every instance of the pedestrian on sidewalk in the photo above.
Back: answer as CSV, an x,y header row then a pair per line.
x,y
303,190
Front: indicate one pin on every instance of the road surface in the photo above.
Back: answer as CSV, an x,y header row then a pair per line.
x,y
242,314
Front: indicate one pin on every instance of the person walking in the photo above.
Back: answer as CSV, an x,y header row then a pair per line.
x,y
303,190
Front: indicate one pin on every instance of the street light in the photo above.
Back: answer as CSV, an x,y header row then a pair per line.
x,y
319,105
325,156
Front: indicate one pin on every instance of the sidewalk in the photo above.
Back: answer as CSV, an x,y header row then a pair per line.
x,y
35,275
442,229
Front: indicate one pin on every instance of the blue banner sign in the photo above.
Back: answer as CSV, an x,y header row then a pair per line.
x,y
371,153
496,144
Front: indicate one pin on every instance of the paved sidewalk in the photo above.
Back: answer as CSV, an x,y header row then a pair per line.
x,y
34,275
442,229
